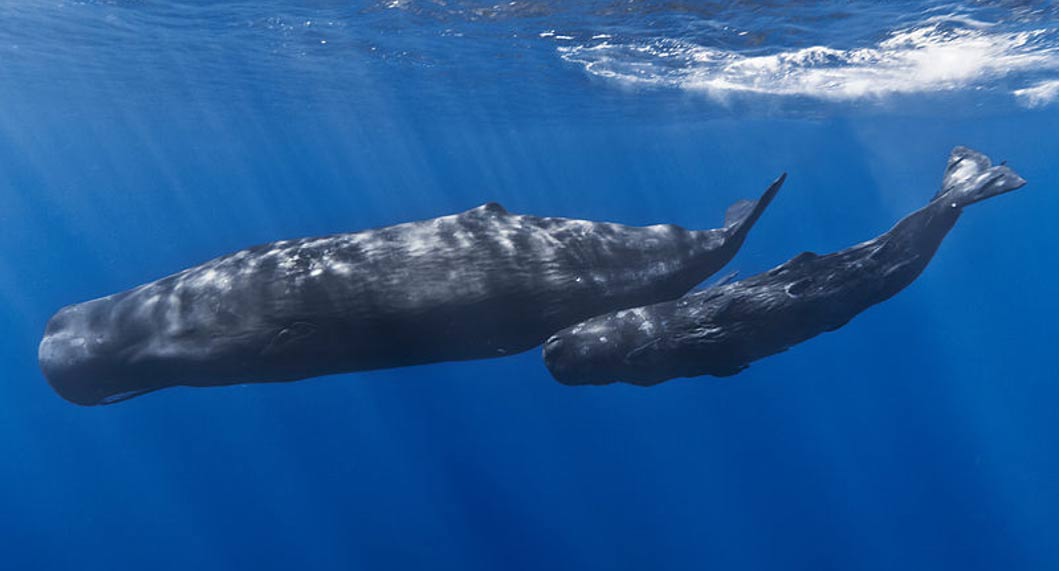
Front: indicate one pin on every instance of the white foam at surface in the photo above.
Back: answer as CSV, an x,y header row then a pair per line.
x,y
930,57
1038,95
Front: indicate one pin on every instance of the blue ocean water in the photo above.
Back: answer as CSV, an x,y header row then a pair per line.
x,y
141,137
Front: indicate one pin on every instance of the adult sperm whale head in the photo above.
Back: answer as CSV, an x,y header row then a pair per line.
x,y
85,359
171,331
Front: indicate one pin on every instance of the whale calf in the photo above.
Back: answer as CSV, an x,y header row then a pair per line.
x,y
482,283
719,331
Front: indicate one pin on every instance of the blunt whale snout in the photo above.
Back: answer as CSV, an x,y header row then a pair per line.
x,y
82,360
576,356
67,359
555,350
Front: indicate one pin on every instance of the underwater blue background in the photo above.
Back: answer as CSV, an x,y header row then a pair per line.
x,y
139,138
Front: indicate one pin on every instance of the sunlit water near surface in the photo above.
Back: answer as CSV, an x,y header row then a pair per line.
x,y
139,138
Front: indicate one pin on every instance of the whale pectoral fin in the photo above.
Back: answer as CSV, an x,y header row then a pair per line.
x,y
724,280
289,337
126,395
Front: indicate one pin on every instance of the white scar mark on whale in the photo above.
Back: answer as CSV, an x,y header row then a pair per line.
x,y
342,268
211,279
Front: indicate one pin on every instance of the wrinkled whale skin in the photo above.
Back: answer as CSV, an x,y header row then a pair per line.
x,y
482,283
719,331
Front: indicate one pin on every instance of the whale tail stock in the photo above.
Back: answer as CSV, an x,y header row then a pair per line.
x,y
970,178
742,215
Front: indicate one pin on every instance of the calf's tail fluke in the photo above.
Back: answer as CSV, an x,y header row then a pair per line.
x,y
971,178
741,216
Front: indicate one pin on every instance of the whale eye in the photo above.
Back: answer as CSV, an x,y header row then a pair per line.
x,y
290,336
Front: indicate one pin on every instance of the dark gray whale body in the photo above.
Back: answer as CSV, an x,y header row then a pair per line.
x,y
719,331
483,283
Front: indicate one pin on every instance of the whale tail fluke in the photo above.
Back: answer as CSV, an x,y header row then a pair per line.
x,y
970,178
742,215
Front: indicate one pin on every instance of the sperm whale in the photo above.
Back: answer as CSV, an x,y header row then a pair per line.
x,y
482,283
720,330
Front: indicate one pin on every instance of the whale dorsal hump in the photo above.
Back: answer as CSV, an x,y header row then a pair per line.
x,y
799,259
489,209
